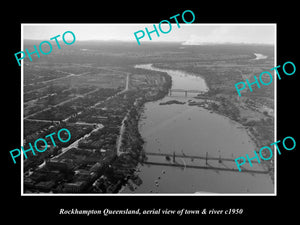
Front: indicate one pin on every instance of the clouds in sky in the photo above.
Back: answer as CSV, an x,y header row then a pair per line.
x,y
260,34
187,33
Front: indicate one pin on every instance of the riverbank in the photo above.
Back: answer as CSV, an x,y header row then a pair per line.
x,y
258,130
192,131
122,169
249,111
183,129
172,102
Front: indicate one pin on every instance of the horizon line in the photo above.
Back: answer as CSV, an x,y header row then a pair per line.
x,y
166,42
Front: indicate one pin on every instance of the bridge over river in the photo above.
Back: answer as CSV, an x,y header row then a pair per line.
x,y
172,91
221,167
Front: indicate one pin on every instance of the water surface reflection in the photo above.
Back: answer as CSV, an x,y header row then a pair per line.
x,y
190,130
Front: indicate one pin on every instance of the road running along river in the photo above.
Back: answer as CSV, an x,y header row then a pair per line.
x,y
193,130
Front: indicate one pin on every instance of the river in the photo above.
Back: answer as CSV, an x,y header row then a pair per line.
x,y
192,130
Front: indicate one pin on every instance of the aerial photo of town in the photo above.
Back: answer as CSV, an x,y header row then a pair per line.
x,y
162,117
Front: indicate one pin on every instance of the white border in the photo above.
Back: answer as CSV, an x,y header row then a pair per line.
x,y
22,113
275,112
154,194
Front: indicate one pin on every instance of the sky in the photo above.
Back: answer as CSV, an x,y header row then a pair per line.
x,y
194,33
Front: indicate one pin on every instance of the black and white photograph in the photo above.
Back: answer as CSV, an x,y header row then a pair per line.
x,y
141,111
159,117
